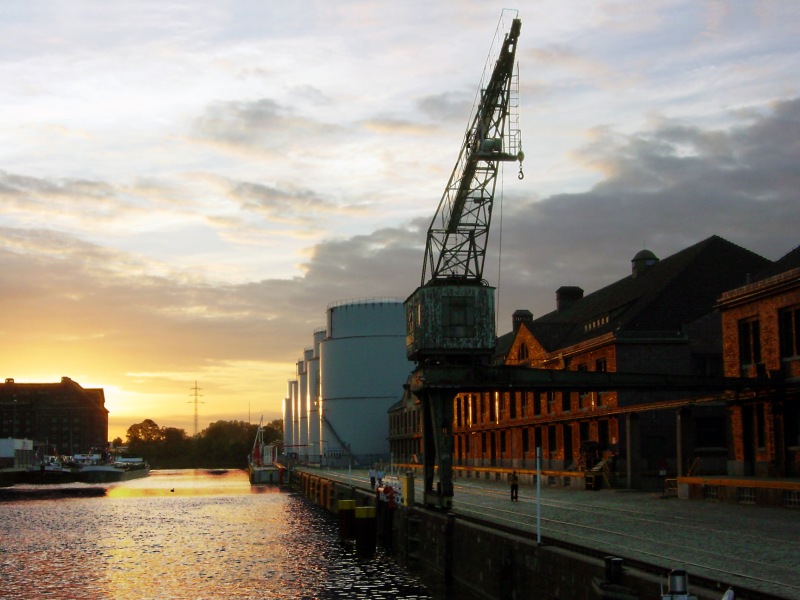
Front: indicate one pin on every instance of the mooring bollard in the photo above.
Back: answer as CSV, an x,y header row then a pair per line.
x,y
347,516
613,569
611,587
366,531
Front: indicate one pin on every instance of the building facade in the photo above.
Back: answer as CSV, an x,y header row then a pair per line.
x,y
761,337
661,319
64,415
405,429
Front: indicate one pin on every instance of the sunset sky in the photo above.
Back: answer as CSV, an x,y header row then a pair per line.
x,y
185,186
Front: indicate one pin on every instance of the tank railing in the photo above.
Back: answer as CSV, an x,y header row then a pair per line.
x,y
373,300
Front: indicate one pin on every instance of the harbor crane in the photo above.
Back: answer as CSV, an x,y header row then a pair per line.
x,y
450,317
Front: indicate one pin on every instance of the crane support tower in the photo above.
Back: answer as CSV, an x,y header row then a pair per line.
x,y
450,317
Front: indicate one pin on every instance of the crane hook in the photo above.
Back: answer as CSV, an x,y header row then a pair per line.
x,y
521,175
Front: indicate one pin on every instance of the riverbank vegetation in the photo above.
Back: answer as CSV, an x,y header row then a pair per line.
x,y
223,445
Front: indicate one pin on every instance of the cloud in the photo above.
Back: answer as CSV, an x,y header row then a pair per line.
x,y
667,188
294,206
184,195
23,193
446,106
259,125
664,188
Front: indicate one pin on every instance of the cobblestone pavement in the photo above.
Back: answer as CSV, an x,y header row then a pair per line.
x,y
753,547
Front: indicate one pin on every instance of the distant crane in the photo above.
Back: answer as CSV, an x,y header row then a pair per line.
x,y
196,392
450,317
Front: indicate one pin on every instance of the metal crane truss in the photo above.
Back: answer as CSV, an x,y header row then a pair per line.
x,y
458,234
437,385
451,317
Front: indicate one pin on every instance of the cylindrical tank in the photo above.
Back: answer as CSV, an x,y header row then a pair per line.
x,y
302,402
295,415
312,401
363,367
288,422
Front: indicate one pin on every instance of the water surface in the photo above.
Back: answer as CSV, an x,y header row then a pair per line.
x,y
186,534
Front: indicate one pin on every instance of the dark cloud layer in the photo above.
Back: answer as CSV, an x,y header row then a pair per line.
x,y
667,188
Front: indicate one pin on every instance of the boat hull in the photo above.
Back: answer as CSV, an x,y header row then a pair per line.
x,y
265,475
48,476
108,474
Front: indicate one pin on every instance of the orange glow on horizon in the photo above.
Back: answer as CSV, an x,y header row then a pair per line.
x,y
241,392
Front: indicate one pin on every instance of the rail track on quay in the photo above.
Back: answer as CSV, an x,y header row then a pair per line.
x,y
590,530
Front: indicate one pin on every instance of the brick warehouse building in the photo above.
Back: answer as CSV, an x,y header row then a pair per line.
x,y
660,319
405,429
761,337
64,414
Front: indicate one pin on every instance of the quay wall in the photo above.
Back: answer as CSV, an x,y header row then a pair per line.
x,y
483,562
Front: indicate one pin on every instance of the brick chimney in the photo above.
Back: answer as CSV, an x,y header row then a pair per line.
x,y
521,316
567,295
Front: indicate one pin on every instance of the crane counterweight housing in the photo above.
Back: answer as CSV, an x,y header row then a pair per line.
x,y
450,317
450,323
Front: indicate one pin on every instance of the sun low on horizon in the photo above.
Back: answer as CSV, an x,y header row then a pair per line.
x,y
171,402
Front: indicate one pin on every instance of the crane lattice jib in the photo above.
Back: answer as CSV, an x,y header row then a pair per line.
x,y
458,235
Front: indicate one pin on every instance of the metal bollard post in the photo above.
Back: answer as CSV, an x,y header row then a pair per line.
x,y
366,531
347,515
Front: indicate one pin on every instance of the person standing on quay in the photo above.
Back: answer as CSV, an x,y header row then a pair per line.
x,y
514,481
372,478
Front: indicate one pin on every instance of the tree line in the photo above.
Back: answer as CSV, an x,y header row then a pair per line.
x,y
223,445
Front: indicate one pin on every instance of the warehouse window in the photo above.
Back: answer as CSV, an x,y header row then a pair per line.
x,y
749,342
789,319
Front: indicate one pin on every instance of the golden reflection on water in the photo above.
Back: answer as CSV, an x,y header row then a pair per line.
x,y
189,482
185,535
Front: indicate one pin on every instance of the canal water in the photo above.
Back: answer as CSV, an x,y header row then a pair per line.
x,y
186,534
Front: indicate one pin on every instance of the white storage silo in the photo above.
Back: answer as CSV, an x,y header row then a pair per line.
x,y
363,367
295,424
288,422
315,447
302,403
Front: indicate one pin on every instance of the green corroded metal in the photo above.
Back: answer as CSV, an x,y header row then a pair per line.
x,y
450,323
